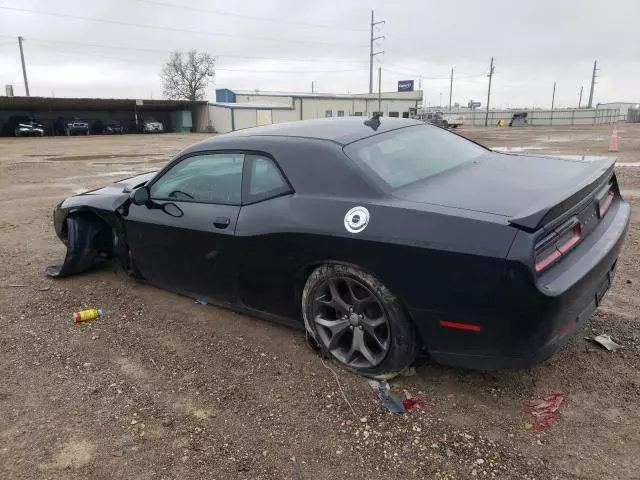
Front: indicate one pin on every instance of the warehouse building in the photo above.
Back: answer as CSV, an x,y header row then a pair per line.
x,y
238,109
175,115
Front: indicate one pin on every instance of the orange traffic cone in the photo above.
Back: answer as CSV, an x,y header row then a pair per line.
x,y
613,141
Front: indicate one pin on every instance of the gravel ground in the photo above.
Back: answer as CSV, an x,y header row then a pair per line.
x,y
162,388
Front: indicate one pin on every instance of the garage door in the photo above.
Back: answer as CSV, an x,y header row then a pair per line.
x,y
263,117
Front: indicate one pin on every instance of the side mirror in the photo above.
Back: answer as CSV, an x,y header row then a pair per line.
x,y
172,209
140,196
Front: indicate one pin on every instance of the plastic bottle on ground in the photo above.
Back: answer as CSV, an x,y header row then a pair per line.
x,y
89,314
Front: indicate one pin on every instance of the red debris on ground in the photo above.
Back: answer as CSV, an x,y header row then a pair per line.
x,y
544,410
411,402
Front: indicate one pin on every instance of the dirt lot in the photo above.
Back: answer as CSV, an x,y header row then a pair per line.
x,y
164,388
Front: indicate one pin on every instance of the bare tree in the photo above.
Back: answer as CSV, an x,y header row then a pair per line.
x,y
186,76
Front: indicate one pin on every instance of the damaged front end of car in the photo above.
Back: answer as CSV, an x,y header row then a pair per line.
x,y
91,227
90,242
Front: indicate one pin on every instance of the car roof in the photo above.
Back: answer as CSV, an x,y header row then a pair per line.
x,y
341,130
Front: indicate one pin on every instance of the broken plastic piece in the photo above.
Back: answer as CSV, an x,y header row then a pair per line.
x,y
606,342
413,402
84,234
391,402
544,410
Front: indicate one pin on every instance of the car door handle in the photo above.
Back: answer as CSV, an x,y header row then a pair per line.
x,y
222,222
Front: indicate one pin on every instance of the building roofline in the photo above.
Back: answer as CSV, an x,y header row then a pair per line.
x,y
257,106
330,96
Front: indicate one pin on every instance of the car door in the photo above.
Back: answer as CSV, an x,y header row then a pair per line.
x,y
191,250
265,256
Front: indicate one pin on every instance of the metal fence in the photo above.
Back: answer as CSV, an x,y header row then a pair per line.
x,y
576,116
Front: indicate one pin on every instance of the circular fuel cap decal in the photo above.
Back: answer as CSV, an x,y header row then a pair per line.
x,y
356,219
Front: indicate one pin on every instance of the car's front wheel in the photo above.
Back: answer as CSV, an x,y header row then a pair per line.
x,y
355,319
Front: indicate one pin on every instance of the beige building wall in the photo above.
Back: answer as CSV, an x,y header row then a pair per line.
x,y
221,118
245,118
264,99
281,116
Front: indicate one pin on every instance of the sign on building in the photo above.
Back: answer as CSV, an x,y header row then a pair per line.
x,y
405,86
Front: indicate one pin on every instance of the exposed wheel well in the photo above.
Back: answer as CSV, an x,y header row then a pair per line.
x,y
103,240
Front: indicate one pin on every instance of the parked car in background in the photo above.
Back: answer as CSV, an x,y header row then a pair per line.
x,y
440,119
151,125
107,128
74,126
518,119
23,126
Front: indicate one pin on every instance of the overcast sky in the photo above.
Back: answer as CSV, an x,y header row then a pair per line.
x,y
284,45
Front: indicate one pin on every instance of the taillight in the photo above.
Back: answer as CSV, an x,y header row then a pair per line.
x,y
605,199
555,245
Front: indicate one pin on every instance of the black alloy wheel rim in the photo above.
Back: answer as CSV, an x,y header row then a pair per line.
x,y
351,323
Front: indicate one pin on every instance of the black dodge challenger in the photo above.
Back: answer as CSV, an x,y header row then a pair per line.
x,y
382,238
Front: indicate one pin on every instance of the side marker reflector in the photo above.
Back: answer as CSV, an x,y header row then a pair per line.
x,y
460,326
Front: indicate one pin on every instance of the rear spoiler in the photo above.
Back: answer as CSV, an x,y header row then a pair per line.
x,y
550,208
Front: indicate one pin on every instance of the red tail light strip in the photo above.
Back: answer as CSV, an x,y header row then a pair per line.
x,y
554,246
577,232
460,326
604,205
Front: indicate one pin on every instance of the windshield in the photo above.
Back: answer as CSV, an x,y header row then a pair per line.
x,y
408,155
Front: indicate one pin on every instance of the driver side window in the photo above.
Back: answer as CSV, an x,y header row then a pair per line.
x,y
205,178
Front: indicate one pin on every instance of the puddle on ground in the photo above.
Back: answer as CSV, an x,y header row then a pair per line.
x,y
569,138
515,149
101,156
580,158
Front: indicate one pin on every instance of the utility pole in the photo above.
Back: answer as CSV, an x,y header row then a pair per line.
x,y
553,101
450,88
593,83
312,91
490,75
580,97
24,69
371,52
380,91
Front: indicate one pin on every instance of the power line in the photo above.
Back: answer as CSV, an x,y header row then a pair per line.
x,y
248,17
424,77
173,29
155,50
136,61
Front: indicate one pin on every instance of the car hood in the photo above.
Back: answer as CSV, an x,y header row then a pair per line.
x,y
125,185
505,184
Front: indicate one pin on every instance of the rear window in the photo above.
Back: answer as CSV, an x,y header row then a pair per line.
x,y
408,155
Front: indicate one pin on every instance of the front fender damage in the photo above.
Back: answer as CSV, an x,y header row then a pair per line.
x,y
90,242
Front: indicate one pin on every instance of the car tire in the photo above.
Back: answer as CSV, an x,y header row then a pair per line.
x,y
355,338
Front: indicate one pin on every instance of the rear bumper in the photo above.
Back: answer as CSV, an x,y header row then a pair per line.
x,y
533,327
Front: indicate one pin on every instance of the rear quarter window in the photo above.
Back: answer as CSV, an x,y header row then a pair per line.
x,y
408,155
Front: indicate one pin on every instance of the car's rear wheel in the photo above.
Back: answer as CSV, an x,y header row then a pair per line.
x,y
356,320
